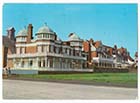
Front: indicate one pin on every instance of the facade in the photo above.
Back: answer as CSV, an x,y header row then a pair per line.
x,y
46,51
8,46
101,55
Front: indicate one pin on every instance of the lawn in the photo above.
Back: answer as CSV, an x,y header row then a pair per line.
x,y
123,78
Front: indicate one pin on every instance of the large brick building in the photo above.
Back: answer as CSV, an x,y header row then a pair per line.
x,y
46,51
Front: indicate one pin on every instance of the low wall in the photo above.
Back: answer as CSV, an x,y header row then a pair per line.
x,y
24,71
51,71
63,72
110,70
95,70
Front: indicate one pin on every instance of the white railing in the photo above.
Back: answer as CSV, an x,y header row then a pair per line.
x,y
99,59
56,69
44,54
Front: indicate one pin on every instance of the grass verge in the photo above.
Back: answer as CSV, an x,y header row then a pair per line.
x,y
121,78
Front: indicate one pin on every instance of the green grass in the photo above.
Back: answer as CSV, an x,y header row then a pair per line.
x,y
128,78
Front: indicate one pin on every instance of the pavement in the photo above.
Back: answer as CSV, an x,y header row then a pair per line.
x,y
22,89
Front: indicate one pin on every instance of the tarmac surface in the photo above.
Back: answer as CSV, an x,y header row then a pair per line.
x,y
22,89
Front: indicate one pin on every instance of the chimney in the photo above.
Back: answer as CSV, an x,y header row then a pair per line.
x,y
91,41
11,33
30,33
55,38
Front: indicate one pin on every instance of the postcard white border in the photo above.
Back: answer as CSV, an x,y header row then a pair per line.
x,y
68,1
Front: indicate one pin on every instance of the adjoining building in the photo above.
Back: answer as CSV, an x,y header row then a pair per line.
x,y
136,60
8,46
101,55
46,51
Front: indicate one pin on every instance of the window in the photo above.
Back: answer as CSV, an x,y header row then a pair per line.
x,y
63,50
47,48
23,50
46,35
39,63
43,63
68,51
56,50
22,64
40,36
71,52
39,49
18,51
31,63
44,48
51,46
50,36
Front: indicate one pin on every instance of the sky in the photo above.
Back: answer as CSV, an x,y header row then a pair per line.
x,y
113,24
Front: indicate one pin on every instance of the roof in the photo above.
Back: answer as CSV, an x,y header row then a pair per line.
x,y
45,29
22,32
97,44
58,39
136,54
130,58
73,36
107,46
10,28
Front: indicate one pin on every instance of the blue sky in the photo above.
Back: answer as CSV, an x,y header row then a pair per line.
x,y
110,23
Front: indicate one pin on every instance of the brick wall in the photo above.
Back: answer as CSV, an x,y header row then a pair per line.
x,y
86,46
10,63
94,54
31,49
4,52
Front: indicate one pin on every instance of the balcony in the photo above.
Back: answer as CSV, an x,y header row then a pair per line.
x,y
45,54
105,60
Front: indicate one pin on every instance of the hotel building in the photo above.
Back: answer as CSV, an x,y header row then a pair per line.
x,y
46,51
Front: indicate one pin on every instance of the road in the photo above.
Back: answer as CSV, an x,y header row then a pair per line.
x,y
20,89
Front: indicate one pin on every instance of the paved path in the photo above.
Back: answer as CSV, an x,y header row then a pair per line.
x,y
19,89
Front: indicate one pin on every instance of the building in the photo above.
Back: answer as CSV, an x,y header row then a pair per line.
x,y
136,60
8,46
46,51
101,55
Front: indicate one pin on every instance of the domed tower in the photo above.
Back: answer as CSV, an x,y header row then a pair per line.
x,y
21,37
44,35
75,40
45,32
76,43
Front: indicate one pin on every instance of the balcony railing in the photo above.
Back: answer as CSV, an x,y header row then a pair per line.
x,y
99,59
45,54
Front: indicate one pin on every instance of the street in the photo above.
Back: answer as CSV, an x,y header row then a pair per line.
x,y
20,89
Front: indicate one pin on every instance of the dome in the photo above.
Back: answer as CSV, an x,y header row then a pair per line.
x,y
58,39
45,29
73,36
22,32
